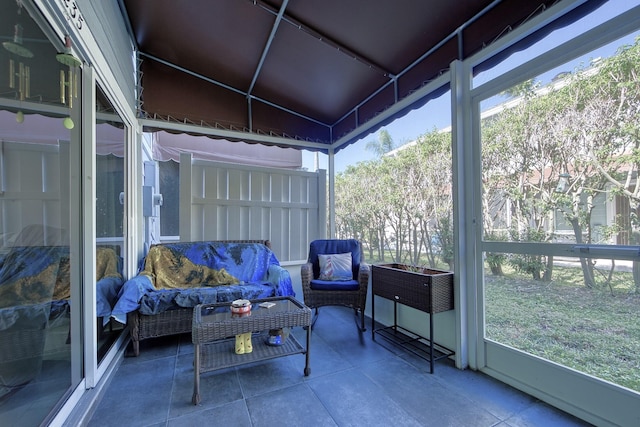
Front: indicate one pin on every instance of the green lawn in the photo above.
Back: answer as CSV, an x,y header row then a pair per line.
x,y
595,331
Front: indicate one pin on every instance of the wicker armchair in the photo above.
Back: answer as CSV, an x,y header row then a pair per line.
x,y
350,293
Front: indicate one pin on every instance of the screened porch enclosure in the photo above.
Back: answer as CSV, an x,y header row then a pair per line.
x,y
517,172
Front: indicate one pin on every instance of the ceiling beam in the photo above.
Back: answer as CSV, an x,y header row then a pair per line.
x,y
233,89
424,56
362,129
127,23
267,46
265,51
233,135
323,38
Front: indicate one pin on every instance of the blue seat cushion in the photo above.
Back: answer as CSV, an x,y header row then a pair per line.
x,y
329,285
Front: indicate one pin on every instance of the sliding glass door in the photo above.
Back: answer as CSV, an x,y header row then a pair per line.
x,y
41,349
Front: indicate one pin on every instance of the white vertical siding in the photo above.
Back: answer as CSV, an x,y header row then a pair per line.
x,y
226,201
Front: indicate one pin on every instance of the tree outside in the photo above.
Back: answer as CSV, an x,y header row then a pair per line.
x,y
559,165
400,205
561,153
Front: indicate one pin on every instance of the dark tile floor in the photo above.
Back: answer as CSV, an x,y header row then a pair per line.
x,y
354,381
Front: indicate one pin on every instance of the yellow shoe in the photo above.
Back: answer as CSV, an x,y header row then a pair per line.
x,y
240,344
248,347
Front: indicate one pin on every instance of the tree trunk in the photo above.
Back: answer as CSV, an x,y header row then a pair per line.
x,y
496,269
535,268
585,263
636,275
548,271
635,240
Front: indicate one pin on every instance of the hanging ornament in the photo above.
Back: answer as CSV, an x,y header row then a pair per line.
x,y
22,71
69,80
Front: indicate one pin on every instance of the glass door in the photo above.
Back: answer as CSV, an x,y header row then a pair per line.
x,y
110,197
40,254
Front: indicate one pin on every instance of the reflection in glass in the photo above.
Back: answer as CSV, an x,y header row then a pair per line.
x,y
110,176
169,172
36,290
39,158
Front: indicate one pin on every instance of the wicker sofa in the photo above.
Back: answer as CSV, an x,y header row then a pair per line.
x,y
175,277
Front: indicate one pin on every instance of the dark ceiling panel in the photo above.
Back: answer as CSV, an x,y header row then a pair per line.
x,y
221,39
496,22
390,34
329,62
580,11
344,126
304,74
376,105
428,69
169,92
269,120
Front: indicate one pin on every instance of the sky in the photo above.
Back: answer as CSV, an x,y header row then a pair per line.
x,y
436,113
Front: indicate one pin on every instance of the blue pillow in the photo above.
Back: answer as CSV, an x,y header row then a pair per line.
x,y
335,267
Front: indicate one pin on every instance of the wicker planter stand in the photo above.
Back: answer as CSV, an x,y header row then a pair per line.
x,y
427,290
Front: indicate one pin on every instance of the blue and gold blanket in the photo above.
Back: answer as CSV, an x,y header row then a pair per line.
x,y
189,273
38,277
28,274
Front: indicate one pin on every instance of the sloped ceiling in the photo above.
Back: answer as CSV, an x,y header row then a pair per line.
x,y
301,69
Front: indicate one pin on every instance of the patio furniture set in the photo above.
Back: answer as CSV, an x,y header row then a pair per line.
x,y
238,302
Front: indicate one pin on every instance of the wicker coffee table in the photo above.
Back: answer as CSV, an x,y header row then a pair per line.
x,y
214,329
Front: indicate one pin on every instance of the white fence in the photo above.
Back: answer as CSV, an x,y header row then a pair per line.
x,y
220,201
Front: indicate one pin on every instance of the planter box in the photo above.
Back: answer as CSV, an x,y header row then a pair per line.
x,y
428,290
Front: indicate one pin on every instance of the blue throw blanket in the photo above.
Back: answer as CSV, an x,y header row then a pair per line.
x,y
39,274
189,273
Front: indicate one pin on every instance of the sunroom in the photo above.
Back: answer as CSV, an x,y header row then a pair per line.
x,y
130,123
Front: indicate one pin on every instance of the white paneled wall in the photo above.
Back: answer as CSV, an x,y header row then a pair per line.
x,y
220,201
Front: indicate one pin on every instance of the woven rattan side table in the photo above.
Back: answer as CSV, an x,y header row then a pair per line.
x,y
427,290
214,329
